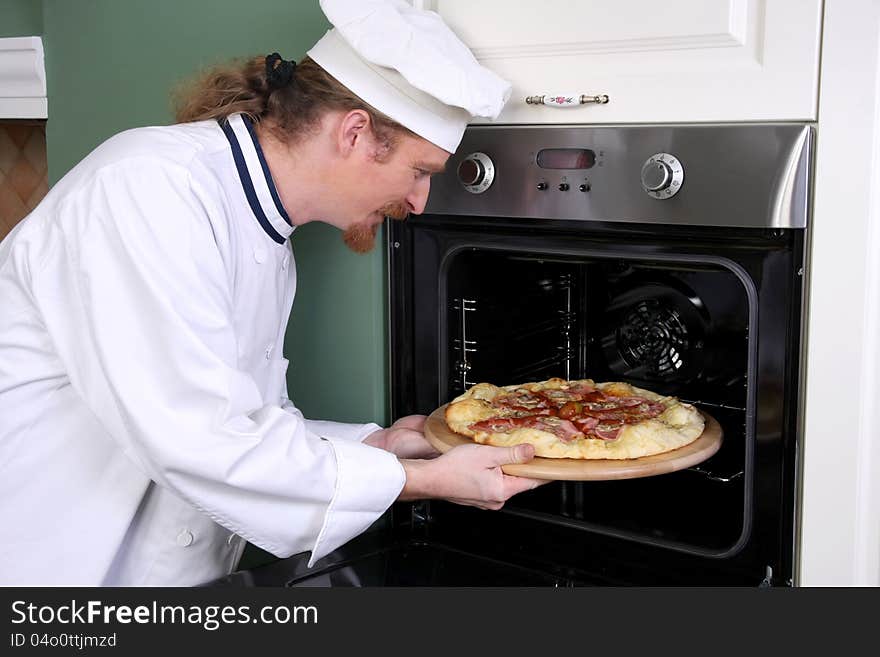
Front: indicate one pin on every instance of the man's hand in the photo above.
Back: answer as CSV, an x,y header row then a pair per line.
x,y
405,439
469,475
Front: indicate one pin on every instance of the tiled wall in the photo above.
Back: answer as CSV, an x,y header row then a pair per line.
x,y
23,170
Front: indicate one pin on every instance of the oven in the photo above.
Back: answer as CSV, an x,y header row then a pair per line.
x,y
669,257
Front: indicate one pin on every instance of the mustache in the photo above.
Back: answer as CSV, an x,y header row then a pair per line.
x,y
361,238
396,210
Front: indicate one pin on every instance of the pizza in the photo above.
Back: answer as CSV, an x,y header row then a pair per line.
x,y
575,419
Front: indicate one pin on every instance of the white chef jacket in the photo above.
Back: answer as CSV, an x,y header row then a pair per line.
x,y
145,430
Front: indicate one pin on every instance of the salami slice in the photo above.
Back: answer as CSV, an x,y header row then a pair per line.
x,y
607,431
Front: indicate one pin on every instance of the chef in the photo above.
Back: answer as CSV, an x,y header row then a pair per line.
x,y
145,429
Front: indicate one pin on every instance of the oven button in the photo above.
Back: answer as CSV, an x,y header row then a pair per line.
x,y
662,175
542,186
476,172
563,187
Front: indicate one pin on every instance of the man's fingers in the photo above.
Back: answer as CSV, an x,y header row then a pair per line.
x,y
510,486
514,485
524,453
516,454
415,422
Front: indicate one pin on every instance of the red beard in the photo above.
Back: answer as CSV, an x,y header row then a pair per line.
x,y
361,238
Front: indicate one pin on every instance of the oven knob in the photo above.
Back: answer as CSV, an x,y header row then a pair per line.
x,y
470,172
656,176
476,172
662,175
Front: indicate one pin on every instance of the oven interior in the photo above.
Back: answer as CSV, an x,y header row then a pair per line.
x,y
682,330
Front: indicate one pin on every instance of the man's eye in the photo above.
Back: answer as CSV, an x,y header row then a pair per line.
x,y
421,173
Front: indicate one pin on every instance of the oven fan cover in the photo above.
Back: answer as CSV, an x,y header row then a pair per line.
x,y
655,332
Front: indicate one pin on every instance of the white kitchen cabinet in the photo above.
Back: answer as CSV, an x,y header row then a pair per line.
x,y
675,61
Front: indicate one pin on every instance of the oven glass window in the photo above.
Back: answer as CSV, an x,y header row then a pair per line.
x,y
674,329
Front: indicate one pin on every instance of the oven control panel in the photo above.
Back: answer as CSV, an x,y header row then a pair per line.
x,y
630,174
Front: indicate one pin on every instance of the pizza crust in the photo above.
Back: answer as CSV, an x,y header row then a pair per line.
x,y
679,425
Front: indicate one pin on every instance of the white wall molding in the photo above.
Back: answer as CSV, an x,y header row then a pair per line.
x,y
22,78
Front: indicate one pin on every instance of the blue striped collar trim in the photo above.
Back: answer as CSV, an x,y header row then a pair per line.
x,y
256,181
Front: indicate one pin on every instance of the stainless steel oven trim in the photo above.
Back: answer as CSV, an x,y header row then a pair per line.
x,y
751,399
731,181
805,274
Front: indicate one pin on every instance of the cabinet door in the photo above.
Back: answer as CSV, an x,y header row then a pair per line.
x,y
671,61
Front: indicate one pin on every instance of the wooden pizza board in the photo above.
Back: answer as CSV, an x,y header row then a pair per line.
x,y
443,438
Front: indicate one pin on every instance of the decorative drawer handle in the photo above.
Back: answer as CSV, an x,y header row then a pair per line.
x,y
566,100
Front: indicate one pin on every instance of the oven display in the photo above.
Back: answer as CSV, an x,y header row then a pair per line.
x,y
566,158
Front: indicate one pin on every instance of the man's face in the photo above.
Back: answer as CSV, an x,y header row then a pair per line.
x,y
391,184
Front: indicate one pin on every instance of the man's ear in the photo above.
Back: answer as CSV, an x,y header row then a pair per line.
x,y
353,132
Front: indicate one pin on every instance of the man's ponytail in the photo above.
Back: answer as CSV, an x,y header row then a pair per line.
x,y
290,98
223,91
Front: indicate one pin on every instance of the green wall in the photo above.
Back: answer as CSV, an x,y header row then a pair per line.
x,y
110,65
21,18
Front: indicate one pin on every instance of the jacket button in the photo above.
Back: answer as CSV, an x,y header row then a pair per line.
x,y
259,255
185,538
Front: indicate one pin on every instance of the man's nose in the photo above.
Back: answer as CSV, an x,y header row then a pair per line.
x,y
418,197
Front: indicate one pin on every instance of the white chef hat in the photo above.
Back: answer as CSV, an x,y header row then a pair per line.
x,y
410,66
